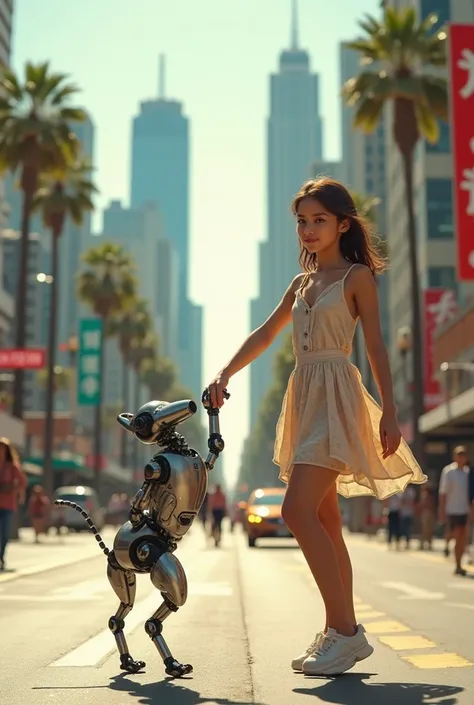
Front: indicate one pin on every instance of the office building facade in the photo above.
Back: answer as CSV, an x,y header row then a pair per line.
x,y
294,144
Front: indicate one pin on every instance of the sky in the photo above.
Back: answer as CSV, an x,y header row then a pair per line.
x,y
219,56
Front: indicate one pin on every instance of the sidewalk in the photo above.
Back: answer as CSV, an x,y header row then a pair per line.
x,y
24,557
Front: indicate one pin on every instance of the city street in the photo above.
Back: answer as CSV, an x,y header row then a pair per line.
x,y
249,611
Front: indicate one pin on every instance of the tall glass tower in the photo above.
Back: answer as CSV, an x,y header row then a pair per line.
x,y
160,174
294,143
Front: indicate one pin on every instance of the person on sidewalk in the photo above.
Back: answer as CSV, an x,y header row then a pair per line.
x,y
427,513
454,503
218,508
39,508
407,513
12,492
393,520
325,440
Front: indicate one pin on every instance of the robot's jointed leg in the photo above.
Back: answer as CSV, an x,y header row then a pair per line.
x,y
124,584
169,577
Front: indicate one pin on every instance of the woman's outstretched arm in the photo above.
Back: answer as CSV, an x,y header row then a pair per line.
x,y
256,343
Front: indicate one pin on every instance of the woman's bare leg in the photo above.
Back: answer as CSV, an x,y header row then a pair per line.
x,y
330,517
306,491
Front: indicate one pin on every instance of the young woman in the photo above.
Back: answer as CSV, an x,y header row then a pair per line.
x,y
331,436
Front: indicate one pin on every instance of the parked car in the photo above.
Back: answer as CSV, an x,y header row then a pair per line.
x,y
87,499
263,518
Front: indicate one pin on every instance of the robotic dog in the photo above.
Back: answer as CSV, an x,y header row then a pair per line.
x,y
161,513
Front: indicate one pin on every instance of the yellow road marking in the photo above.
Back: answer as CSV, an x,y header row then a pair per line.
x,y
357,600
406,643
386,627
371,614
438,661
362,607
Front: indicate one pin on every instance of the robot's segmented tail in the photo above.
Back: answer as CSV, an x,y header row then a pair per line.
x,y
91,526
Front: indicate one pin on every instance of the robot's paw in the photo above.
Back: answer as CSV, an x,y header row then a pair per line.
x,y
177,670
128,664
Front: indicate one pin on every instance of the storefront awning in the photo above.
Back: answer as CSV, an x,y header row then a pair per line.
x,y
454,417
66,461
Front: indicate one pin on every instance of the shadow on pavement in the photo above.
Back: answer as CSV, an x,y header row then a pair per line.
x,y
170,692
351,689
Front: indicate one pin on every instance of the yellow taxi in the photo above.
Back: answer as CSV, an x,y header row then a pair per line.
x,y
263,518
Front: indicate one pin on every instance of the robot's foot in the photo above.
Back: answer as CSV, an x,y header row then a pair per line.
x,y
176,669
128,664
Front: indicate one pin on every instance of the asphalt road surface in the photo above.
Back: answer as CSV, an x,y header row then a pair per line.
x,y
248,613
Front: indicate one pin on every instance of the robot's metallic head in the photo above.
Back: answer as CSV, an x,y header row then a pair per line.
x,y
154,419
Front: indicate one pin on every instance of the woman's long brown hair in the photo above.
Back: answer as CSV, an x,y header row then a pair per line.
x,y
358,243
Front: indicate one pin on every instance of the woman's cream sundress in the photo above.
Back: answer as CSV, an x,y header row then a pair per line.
x,y
328,418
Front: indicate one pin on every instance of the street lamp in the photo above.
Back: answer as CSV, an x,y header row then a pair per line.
x,y
43,278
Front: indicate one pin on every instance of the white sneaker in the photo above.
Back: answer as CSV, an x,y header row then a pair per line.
x,y
297,663
336,653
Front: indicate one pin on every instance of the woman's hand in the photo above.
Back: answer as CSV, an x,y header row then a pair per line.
x,y
216,389
390,435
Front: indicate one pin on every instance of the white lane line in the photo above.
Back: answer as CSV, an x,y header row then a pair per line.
x,y
85,589
462,605
411,592
97,648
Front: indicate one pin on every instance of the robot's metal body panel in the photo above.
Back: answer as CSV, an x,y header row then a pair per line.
x,y
175,505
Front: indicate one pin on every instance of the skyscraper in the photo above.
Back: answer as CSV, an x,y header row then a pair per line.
x,y
294,143
160,174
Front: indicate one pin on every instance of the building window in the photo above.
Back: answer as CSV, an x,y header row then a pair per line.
x,y
439,206
442,277
443,145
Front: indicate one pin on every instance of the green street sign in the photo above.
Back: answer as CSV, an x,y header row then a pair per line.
x,y
88,373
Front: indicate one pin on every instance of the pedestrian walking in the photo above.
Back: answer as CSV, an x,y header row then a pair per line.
x,y
454,503
427,514
407,513
12,492
326,440
218,508
393,520
39,508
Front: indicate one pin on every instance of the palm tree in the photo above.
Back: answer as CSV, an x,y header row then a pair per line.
x,y
61,378
131,324
108,286
410,54
65,194
158,374
35,138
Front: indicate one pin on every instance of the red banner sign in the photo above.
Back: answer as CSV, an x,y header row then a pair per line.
x,y
461,40
440,306
22,359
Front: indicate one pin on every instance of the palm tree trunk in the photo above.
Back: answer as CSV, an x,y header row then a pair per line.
x,y
21,298
125,397
417,352
49,414
98,414
136,406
